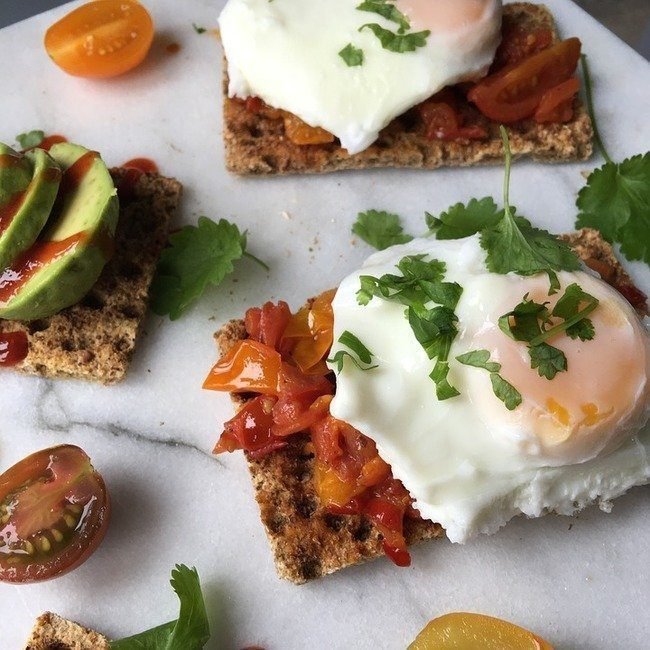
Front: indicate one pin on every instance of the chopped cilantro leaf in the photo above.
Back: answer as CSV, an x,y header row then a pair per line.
x,y
444,390
583,330
30,139
464,220
353,56
547,359
523,322
363,354
380,229
197,256
198,29
397,42
388,11
190,631
479,359
434,329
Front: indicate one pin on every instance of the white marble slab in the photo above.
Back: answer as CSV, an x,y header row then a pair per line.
x,y
582,583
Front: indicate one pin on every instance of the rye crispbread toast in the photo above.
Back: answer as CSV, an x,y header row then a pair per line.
x,y
255,143
306,541
51,632
95,339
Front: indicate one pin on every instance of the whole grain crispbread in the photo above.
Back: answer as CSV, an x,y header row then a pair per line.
x,y
255,142
95,338
306,541
51,632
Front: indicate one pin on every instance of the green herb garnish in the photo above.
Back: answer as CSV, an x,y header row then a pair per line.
x,y
504,390
363,357
196,257
461,220
380,229
616,198
198,29
397,42
353,56
30,139
190,631
388,11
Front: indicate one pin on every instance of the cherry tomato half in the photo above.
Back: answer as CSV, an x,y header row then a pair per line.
x,y
515,92
465,631
104,38
54,512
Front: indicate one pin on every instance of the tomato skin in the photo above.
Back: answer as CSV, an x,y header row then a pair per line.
x,y
266,324
58,511
104,38
515,92
557,103
442,120
301,133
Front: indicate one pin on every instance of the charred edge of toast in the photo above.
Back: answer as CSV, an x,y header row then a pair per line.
x,y
52,632
256,144
306,541
95,339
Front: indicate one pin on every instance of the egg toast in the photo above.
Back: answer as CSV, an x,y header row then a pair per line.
x,y
255,142
307,542
95,339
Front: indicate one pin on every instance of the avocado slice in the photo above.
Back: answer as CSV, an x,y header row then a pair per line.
x,y
68,257
23,217
15,173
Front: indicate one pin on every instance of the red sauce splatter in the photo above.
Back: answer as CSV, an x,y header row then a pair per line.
x,y
145,165
51,140
32,261
134,170
173,48
74,174
10,160
9,209
13,348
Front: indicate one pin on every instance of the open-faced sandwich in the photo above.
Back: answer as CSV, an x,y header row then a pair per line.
x,y
452,383
76,262
319,87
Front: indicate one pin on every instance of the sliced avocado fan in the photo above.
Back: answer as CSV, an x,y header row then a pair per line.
x,y
69,255
15,173
23,216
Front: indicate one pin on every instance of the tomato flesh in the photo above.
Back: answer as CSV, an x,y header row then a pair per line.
x,y
466,631
54,512
557,103
515,92
104,38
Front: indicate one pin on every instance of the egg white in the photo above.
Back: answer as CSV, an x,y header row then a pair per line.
x,y
470,464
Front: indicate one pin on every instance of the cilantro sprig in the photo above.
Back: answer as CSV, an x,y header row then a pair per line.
x,y
388,11
503,389
196,257
380,229
30,139
616,198
190,631
533,323
353,56
397,42
360,355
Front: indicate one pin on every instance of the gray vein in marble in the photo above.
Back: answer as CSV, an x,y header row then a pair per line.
x,y
51,416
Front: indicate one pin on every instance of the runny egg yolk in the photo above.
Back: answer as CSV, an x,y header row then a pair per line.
x,y
443,16
584,411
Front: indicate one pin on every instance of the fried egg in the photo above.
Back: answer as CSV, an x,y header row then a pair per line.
x,y
287,53
469,463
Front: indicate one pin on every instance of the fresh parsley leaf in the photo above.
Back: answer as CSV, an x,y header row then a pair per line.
x,y
547,359
616,198
434,329
583,330
616,201
197,256
380,229
198,29
523,322
444,390
505,391
397,42
190,631
363,354
388,11
513,245
446,294
569,304
461,220
30,139
353,56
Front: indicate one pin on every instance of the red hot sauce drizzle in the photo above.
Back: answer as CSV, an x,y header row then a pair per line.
x,y
134,170
51,140
13,348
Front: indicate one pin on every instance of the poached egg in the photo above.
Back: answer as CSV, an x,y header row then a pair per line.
x,y
469,463
287,53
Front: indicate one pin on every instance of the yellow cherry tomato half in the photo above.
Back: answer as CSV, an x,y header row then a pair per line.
x,y
104,38
465,631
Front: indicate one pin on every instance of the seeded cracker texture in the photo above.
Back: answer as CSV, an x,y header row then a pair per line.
x,y
95,339
306,541
255,144
51,632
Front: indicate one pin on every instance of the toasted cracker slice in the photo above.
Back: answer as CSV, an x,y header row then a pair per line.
x,y
51,632
255,142
96,338
306,541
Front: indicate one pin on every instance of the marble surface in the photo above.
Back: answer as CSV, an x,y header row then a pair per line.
x,y
582,582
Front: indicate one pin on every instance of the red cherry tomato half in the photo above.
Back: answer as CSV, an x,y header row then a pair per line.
x,y
54,512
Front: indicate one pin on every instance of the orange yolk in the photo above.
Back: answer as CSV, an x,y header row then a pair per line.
x,y
442,16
